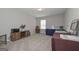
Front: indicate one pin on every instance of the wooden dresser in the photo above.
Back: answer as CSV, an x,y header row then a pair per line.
x,y
59,44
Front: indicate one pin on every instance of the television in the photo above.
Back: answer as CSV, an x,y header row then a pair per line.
x,y
15,30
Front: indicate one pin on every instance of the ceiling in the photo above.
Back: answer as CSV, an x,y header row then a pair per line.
x,y
45,11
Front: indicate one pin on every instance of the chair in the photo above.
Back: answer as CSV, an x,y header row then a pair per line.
x,y
3,43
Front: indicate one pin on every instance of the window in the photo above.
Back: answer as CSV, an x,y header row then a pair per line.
x,y
43,24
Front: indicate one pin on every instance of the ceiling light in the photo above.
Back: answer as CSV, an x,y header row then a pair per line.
x,y
39,9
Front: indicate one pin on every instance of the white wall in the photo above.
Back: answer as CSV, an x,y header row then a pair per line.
x,y
71,14
53,20
12,18
56,20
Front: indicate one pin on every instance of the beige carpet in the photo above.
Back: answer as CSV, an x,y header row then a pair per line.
x,y
37,42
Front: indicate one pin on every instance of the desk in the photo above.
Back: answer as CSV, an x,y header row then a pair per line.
x,y
4,35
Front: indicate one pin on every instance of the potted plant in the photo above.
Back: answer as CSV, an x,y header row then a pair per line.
x,y
22,27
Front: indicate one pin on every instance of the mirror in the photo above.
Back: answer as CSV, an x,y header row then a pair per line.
x,y
75,27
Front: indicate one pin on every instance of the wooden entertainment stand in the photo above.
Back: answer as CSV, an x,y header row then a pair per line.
x,y
19,35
